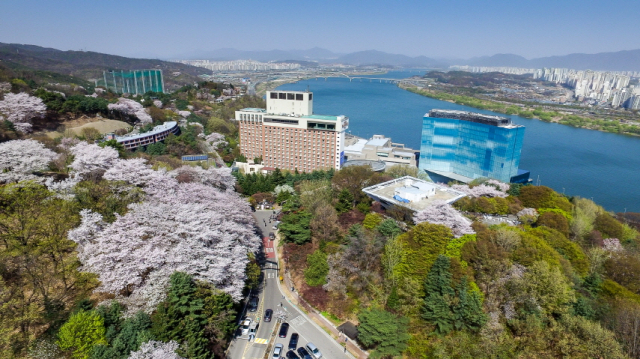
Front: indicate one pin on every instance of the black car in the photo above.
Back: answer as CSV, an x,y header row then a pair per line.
x,y
284,328
267,315
304,354
292,355
293,342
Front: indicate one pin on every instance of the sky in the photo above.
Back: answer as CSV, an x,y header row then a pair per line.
x,y
441,29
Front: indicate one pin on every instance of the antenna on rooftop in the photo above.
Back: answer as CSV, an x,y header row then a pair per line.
x,y
307,88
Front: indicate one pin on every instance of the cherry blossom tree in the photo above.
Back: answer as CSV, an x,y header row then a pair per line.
x,y
528,215
157,103
440,212
156,350
132,108
184,114
91,157
220,178
20,109
19,159
481,190
501,186
134,171
612,245
190,227
215,140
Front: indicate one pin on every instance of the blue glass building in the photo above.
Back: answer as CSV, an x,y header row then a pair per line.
x,y
462,146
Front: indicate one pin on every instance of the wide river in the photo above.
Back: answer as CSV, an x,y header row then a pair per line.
x,y
579,162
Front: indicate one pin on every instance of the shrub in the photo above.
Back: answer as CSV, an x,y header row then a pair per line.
x,y
317,269
554,220
81,333
609,226
371,220
383,331
537,197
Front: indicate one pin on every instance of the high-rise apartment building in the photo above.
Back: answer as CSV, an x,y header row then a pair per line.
x,y
288,135
462,146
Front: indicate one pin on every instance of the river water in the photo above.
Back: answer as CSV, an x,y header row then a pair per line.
x,y
579,162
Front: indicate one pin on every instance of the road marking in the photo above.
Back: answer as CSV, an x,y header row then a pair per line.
x,y
299,320
261,341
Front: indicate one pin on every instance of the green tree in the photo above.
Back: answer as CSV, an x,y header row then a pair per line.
x,y
221,317
345,201
295,227
448,309
156,149
116,145
384,332
389,228
371,220
421,247
133,332
253,272
180,317
317,269
81,333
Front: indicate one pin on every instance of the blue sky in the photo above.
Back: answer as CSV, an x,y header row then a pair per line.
x,y
444,28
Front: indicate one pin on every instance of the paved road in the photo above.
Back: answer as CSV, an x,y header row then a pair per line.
x,y
271,298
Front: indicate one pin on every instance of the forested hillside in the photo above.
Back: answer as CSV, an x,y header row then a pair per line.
x,y
90,65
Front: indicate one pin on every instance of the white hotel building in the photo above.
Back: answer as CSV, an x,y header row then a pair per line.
x,y
287,135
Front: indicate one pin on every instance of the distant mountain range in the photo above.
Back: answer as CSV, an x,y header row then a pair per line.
x,y
628,60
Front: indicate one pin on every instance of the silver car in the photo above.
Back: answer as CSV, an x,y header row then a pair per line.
x,y
277,351
314,350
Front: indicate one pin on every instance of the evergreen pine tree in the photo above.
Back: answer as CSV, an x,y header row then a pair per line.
x,y
468,309
439,296
278,178
345,201
393,301
181,318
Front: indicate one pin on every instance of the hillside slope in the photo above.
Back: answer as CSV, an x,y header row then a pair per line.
x,y
90,65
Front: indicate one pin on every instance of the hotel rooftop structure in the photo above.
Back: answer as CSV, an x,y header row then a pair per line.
x,y
288,135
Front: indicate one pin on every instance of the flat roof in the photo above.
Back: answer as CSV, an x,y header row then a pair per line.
x,y
356,147
253,109
321,117
385,191
376,166
400,153
378,142
476,117
453,176
160,128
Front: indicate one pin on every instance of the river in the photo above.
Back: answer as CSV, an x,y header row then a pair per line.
x,y
579,162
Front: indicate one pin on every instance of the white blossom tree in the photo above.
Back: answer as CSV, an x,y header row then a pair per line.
x,y
215,140
283,188
20,109
527,215
220,178
156,350
440,212
482,190
134,171
157,103
190,227
184,114
612,245
132,108
19,159
91,157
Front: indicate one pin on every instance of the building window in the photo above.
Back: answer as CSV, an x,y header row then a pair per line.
x,y
290,96
274,95
310,96
298,97
282,96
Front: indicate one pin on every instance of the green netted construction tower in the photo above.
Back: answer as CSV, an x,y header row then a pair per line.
x,y
133,82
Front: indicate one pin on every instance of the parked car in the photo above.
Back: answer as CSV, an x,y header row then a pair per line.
x,y
268,314
313,350
253,304
284,328
293,341
272,236
277,351
292,355
246,323
304,354
253,329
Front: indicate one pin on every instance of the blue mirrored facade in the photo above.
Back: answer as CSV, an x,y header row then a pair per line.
x,y
457,145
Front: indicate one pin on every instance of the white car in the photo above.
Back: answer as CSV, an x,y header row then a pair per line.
x,y
245,326
277,351
314,350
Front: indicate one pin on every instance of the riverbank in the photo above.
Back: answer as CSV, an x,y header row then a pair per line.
x,y
568,119
263,87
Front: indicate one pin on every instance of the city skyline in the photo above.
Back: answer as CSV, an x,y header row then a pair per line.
x,y
435,29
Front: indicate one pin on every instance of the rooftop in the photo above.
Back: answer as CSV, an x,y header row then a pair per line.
x,y
253,109
321,117
357,147
160,128
385,191
491,120
377,142
376,166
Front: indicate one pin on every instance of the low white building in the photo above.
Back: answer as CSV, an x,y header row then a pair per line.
x,y
414,191
378,148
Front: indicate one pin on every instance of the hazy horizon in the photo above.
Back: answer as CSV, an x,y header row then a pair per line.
x,y
452,30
